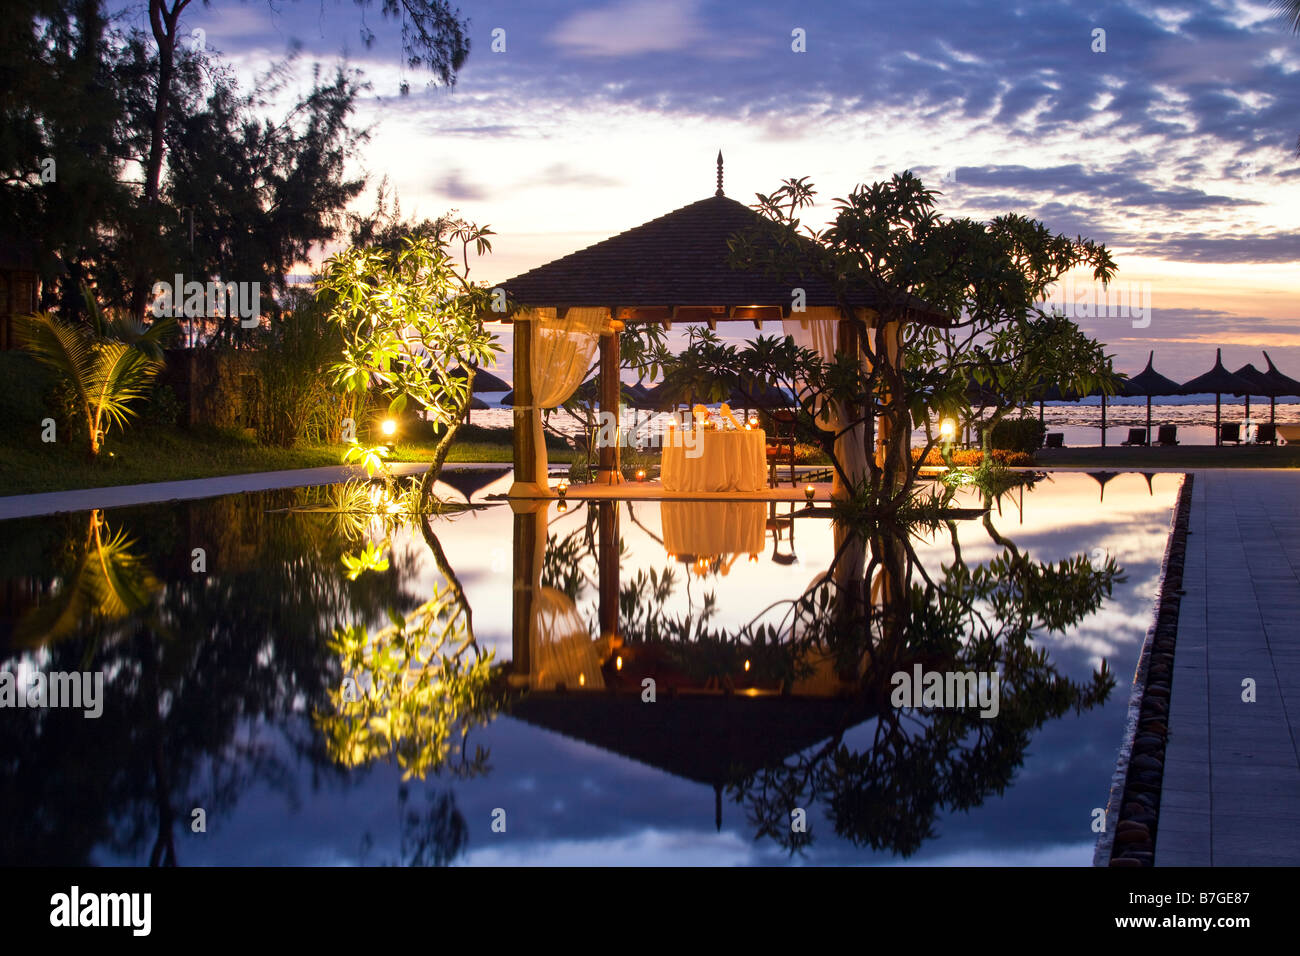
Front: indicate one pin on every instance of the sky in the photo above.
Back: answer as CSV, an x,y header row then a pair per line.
x,y
1170,136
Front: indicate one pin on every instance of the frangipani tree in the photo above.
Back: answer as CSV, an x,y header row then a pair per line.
x,y
888,243
409,320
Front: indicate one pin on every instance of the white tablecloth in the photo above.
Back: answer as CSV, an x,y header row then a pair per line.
x,y
720,461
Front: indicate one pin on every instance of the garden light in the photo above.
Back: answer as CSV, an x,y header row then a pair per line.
x,y
389,427
947,429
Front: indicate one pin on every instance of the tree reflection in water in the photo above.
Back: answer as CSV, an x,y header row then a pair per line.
x,y
193,662
882,774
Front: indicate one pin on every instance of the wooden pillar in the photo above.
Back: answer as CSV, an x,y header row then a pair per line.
x,y
610,394
607,558
529,540
525,448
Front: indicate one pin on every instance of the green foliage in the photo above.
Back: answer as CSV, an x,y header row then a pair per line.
x,y
1018,434
407,321
109,364
419,692
975,284
297,399
275,190
163,408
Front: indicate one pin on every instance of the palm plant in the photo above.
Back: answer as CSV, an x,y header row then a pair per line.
x,y
110,362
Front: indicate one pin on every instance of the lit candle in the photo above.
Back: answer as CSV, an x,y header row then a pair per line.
x,y
809,491
640,474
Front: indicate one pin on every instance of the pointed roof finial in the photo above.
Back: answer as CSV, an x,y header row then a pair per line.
x,y
719,192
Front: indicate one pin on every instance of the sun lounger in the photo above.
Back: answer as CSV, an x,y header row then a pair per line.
x,y
1230,432
1055,440
1167,435
1265,434
1136,436
1289,433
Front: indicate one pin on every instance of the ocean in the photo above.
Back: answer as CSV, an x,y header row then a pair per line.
x,y
1079,422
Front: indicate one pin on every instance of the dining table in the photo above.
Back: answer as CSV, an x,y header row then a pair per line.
x,y
715,459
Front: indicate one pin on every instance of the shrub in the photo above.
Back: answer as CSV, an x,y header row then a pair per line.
x,y
297,396
1019,434
164,407
973,457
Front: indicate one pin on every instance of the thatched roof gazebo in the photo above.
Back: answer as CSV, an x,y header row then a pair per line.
x,y
672,270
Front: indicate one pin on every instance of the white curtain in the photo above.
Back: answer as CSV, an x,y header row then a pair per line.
x,y
818,328
561,351
563,651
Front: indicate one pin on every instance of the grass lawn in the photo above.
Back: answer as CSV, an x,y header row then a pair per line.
x,y
148,452
145,454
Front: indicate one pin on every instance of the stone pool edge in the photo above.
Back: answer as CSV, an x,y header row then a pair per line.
x,y
1133,808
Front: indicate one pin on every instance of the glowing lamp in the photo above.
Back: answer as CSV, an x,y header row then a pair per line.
x,y
947,429
582,680
618,663
389,427
640,474
809,491
562,488
562,507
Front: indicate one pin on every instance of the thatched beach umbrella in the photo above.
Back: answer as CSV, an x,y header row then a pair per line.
x,y
1259,383
484,383
1219,381
1149,382
1282,385
1101,477
758,395
470,481
1098,391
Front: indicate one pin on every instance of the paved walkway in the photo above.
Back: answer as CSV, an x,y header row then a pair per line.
x,y
54,502
1231,792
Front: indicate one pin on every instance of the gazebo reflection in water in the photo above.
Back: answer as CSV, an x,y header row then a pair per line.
x,y
677,703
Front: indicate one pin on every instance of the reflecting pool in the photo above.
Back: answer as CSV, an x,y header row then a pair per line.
x,y
288,678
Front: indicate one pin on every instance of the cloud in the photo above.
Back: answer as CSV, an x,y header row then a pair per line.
x,y
631,28
562,174
1204,247
454,186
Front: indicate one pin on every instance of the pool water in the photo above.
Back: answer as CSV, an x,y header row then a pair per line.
x,y
210,623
